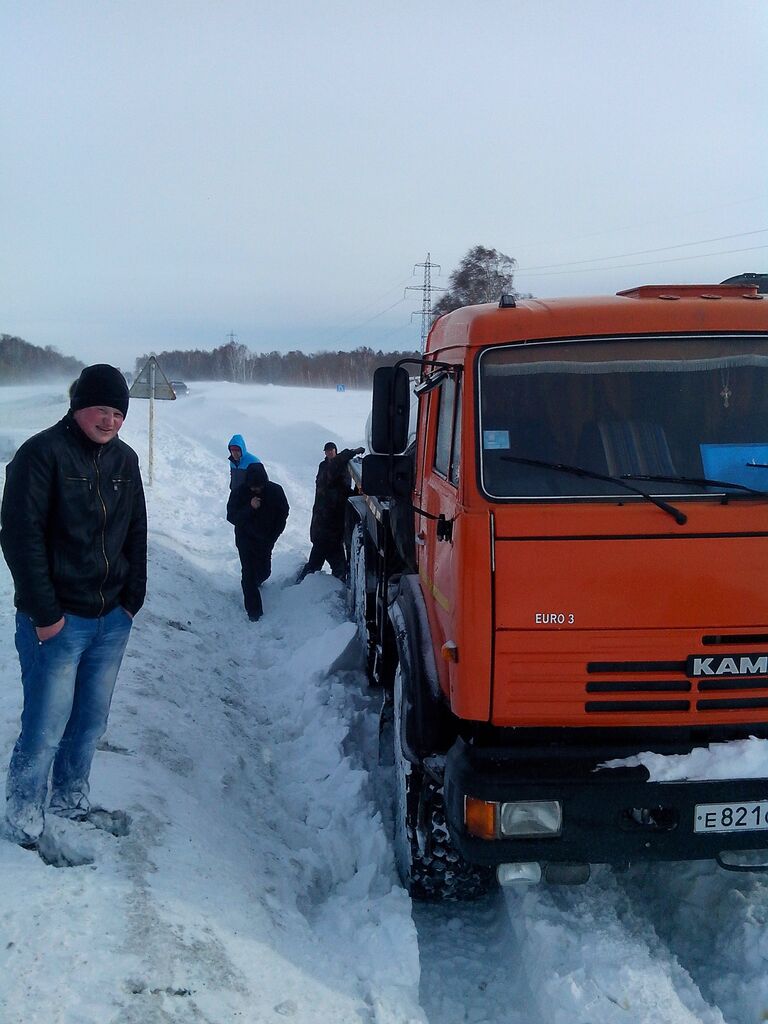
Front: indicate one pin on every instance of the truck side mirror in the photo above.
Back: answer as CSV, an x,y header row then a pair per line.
x,y
386,477
391,409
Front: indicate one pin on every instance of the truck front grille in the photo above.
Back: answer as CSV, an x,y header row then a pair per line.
x,y
682,684
624,706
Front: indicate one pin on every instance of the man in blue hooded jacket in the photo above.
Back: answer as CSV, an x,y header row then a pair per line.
x,y
239,460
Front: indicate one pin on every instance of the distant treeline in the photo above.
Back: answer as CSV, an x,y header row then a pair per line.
x,y
21,362
235,362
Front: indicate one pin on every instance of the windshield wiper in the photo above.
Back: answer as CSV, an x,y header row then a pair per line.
x,y
694,481
680,517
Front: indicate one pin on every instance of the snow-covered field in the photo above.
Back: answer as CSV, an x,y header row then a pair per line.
x,y
257,883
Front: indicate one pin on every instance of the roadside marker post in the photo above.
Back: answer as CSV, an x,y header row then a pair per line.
x,y
152,383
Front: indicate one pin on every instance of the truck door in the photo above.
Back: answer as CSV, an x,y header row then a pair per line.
x,y
439,496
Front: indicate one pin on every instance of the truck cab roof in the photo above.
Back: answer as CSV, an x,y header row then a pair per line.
x,y
648,309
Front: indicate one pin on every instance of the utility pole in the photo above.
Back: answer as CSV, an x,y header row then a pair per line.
x,y
237,357
426,290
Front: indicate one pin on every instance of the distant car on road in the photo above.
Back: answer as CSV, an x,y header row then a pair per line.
x,y
179,387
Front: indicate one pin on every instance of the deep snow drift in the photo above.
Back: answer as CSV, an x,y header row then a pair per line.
x,y
257,881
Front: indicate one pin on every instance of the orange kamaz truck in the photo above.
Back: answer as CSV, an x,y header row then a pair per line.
x,y
564,562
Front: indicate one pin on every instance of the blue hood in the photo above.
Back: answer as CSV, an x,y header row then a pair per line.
x,y
246,459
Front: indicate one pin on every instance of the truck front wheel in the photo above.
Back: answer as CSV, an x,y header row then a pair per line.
x,y
428,864
358,599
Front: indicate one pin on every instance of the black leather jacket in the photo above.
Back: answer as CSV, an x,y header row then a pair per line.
x,y
332,489
259,527
73,525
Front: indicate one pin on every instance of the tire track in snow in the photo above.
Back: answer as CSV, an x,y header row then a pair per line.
x,y
471,964
554,955
591,959
716,922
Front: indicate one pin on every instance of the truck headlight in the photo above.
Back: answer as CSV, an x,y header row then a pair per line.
x,y
531,818
520,819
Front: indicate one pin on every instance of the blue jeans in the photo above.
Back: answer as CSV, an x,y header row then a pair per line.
x,y
68,683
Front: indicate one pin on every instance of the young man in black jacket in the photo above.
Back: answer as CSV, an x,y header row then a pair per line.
x,y
258,510
326,531
73,529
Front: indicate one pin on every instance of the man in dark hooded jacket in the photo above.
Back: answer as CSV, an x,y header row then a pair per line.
x,y
326,531
258,510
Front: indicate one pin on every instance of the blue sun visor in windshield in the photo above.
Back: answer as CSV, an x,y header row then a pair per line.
x,y
745,464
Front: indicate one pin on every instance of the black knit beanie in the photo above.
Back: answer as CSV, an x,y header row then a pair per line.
x,y
101,384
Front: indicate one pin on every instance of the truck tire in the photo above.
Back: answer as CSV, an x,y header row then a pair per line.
x,y
358,600
429,866
429,727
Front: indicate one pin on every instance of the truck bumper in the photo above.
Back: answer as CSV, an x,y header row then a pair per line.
x,y
600,819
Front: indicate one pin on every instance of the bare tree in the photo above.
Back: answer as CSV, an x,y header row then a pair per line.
x,y
482,276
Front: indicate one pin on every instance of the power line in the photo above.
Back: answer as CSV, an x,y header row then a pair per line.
x,y
641,252
426,309
384,295
395,330
649,263
375,316
645,224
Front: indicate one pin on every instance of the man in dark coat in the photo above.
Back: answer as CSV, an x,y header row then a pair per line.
x,y
258,510
73,529
326,531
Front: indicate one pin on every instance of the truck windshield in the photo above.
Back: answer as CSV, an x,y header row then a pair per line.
x,y
674,411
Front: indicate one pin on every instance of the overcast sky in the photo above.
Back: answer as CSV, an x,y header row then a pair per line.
x,y
173,171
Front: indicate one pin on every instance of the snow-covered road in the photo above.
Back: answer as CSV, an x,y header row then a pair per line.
x,y
257,882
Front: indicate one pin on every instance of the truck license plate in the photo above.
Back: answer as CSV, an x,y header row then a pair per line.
x,y
745,817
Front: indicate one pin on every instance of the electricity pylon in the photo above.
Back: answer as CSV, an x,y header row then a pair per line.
x,y
426,290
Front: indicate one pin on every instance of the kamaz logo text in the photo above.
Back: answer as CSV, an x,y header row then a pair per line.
x,y
729,665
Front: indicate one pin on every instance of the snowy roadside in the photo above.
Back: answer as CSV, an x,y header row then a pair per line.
x,y
256,882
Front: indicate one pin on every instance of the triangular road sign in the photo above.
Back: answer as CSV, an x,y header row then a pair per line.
x,y
152,374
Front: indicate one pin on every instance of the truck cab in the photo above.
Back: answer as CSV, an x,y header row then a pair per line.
x,y
588,496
